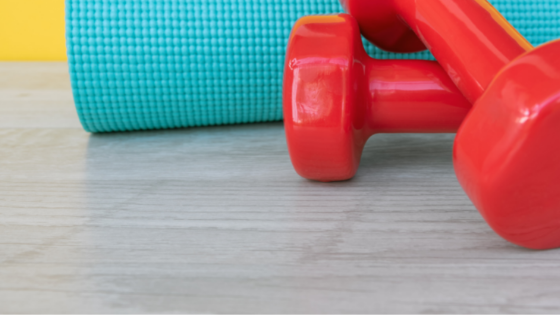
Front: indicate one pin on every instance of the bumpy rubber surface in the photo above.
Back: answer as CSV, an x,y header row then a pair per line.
x,y
154,64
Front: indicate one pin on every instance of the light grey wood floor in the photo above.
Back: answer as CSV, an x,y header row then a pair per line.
x,y
213,220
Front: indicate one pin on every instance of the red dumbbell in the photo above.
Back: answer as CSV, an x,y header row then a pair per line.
x,y
507,152
336,97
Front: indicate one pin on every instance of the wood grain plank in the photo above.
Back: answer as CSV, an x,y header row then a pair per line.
x,y
213,220
36,95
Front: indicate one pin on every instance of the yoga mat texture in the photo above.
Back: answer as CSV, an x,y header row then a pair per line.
x,y
154,64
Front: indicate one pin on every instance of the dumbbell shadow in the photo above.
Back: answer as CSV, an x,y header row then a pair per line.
x,y
412,154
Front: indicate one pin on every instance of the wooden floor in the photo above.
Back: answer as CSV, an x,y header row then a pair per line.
x,y
214,220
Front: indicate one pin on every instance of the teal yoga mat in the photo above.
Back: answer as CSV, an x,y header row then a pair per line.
x,y
154,64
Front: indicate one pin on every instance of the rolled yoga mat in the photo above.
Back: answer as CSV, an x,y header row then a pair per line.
x,y
154,64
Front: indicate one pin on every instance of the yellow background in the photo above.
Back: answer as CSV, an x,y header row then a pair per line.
x,y
32,30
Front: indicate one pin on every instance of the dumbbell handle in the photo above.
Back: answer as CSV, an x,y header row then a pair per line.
x,y
469,38
413,96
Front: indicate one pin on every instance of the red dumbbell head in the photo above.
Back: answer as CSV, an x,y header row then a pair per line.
x,y
321,114
507,152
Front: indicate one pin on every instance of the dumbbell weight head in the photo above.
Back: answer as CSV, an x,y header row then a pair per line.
x,y
324,128
336,97
507,152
